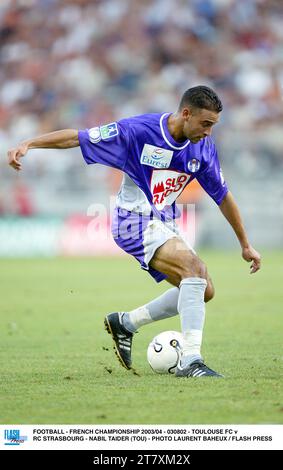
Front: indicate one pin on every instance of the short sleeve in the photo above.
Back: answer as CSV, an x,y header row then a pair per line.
x,y
211,178
106,144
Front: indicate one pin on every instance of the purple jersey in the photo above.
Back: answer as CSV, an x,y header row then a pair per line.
x,y
156,167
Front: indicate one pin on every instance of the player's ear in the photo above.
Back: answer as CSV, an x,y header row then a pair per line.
x,y
186,113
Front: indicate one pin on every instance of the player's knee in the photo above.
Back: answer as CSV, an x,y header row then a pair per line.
x,y
193,267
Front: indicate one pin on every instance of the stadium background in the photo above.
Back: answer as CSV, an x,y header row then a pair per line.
x,y
83,63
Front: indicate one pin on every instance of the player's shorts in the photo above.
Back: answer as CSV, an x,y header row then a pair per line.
x,y
140,236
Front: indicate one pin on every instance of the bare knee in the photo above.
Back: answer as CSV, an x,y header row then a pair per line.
x,y
189,265
196,268
193,266
209,291
177,262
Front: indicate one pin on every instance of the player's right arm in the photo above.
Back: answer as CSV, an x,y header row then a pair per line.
x,y
63,139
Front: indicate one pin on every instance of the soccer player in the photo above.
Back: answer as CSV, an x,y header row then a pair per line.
x,y
160,154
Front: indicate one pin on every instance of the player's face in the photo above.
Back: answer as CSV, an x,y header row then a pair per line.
x,y
198,123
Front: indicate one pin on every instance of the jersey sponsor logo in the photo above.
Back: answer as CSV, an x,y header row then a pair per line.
x,y
94,135
193,165
156,156
166,186
109,130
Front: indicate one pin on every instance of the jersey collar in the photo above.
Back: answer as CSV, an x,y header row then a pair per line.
x,y
168,137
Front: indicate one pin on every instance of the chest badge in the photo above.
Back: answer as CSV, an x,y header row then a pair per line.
x,y
193,165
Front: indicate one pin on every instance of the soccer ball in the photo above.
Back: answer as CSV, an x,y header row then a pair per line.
x,y
163,352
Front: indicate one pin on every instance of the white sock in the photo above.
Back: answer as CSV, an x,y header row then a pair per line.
x,y
136,318
164,306
191,307
192,343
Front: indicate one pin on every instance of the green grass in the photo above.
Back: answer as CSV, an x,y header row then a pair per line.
x,y
57,363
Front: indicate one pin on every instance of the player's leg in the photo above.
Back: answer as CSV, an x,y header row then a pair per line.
x,y
139,237
183,266
142,244
122,325
156,234
209,291
160,308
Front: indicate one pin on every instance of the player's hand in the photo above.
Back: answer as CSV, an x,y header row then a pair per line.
x,y
250,254
15,154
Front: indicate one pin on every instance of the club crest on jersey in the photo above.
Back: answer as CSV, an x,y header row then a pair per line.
x,y
193,165
156,156
166,187
94,135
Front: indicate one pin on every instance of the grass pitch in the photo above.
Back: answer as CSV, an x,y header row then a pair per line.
x,y
58,366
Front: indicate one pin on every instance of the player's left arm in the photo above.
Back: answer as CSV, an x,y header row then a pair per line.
x,y
231,212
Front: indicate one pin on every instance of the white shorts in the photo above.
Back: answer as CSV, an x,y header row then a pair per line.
x,y
140,236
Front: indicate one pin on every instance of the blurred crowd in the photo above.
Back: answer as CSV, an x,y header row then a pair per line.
x,y
80,63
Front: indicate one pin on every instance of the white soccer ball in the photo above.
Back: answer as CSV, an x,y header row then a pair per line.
x,y
164,351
